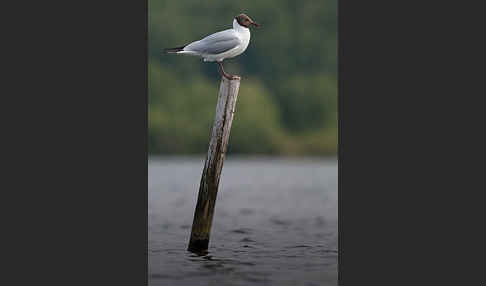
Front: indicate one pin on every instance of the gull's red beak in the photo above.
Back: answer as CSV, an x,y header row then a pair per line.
x,y
255,24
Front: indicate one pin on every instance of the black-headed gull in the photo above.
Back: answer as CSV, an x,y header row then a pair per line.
x,y
221,45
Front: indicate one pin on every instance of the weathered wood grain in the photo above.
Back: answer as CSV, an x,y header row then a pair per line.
x,y
208,189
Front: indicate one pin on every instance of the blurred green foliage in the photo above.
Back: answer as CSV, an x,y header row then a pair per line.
x,y
287,103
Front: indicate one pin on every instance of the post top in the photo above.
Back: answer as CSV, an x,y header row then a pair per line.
x,y
235,78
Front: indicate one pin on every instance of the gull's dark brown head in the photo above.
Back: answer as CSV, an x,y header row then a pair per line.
x,y
245,21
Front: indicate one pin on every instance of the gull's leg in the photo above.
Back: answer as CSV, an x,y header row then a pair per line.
x,y
226,75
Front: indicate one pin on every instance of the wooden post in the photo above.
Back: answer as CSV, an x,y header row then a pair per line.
x,y
208,188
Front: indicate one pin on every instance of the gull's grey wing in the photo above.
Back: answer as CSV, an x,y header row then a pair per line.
x,y
216,43
215,48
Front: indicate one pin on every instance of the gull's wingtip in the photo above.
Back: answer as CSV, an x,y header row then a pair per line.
x,y
173,50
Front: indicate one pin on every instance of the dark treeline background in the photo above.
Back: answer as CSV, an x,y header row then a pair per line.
x,y
287,104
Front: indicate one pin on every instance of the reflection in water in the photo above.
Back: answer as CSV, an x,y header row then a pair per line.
x,y
275,223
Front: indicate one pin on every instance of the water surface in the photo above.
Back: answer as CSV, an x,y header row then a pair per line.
x,y
275,223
